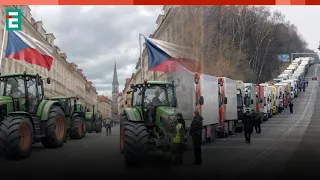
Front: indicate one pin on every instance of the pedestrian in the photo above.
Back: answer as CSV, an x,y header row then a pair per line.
x,y
196,133
300,88
179,140
108,127
291,107
307,83
247,126
257,120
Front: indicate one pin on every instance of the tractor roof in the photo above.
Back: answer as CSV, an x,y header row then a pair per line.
x,y
17,74
155,82
64,97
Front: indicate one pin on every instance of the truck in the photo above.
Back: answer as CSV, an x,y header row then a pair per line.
x,y
250,98
231,113
293,87
288,71
28,116
223,128
267,110
260,99
240,104
75,115
282,96
275,99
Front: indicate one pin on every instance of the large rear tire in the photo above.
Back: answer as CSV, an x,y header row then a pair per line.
x,y
84,128
16,137
56,129
89,127
135,143
98,127
76,128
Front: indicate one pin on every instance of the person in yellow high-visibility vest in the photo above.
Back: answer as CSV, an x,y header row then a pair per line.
x,y
178,139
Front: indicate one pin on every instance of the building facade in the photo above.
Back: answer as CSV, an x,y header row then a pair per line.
x,y
104,106
66,78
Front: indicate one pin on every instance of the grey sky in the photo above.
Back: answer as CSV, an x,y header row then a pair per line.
x,y
95,37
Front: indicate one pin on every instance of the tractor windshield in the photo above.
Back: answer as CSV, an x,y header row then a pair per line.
x,y
12,86
156,95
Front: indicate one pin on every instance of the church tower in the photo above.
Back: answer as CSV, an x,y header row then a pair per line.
x,y
115,93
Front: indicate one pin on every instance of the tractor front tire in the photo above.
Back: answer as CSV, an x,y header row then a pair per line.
x,y
135,143
76,128
84,128
89,127
16,137
56,129
98,127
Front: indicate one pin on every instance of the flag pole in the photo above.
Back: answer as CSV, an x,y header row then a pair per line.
x,y
141,59
2,46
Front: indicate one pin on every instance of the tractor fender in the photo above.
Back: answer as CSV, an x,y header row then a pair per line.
x,y
44,112
133,114
22,113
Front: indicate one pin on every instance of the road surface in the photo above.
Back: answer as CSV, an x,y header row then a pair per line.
x,y
287,145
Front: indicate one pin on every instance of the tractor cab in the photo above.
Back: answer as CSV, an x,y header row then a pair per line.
x,y
22,91
150,96
70,105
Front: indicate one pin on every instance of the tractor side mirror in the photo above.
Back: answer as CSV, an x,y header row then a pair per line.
x,y
251,101
174,102
225,100
201,100
48,80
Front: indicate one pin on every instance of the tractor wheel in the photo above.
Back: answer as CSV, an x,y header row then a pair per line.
x,y
84,128
56,129
135,143
76,128
98,127
89,127
16,137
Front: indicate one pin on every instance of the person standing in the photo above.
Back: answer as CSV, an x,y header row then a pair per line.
x,y
247,126
196,133
257,122
178,140
108,127
307,83
291,107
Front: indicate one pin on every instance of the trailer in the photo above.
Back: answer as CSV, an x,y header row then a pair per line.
x,y
275,99
288,71
268,110
250,98
231,116
240,105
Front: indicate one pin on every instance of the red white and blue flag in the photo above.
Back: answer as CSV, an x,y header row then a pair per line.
x,y
167,57
21,46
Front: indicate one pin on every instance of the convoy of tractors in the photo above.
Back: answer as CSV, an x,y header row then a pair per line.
x,y
148,126
27,116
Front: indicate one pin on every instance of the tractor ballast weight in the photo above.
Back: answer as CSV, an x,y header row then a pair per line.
x,y
27,116
148,125
93,121
74,113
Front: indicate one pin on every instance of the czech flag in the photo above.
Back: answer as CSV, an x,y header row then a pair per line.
x,y
21,46
167,57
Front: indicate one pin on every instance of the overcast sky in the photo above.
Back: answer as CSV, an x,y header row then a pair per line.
x,y
95,37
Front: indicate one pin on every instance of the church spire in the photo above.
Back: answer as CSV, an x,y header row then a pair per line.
x,y
115,76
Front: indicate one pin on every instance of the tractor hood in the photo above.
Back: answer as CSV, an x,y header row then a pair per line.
x,y
168,111
5,99
88,115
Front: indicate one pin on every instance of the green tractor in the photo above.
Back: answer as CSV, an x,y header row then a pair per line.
x,y
27,116
149,124
74,113
93,122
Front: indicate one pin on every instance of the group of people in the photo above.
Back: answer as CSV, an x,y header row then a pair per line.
x,y
254,120
180,138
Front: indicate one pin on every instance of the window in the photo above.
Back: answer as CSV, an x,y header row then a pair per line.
x,y
13,86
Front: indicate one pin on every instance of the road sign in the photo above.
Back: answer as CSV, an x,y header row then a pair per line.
x,y
13,20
